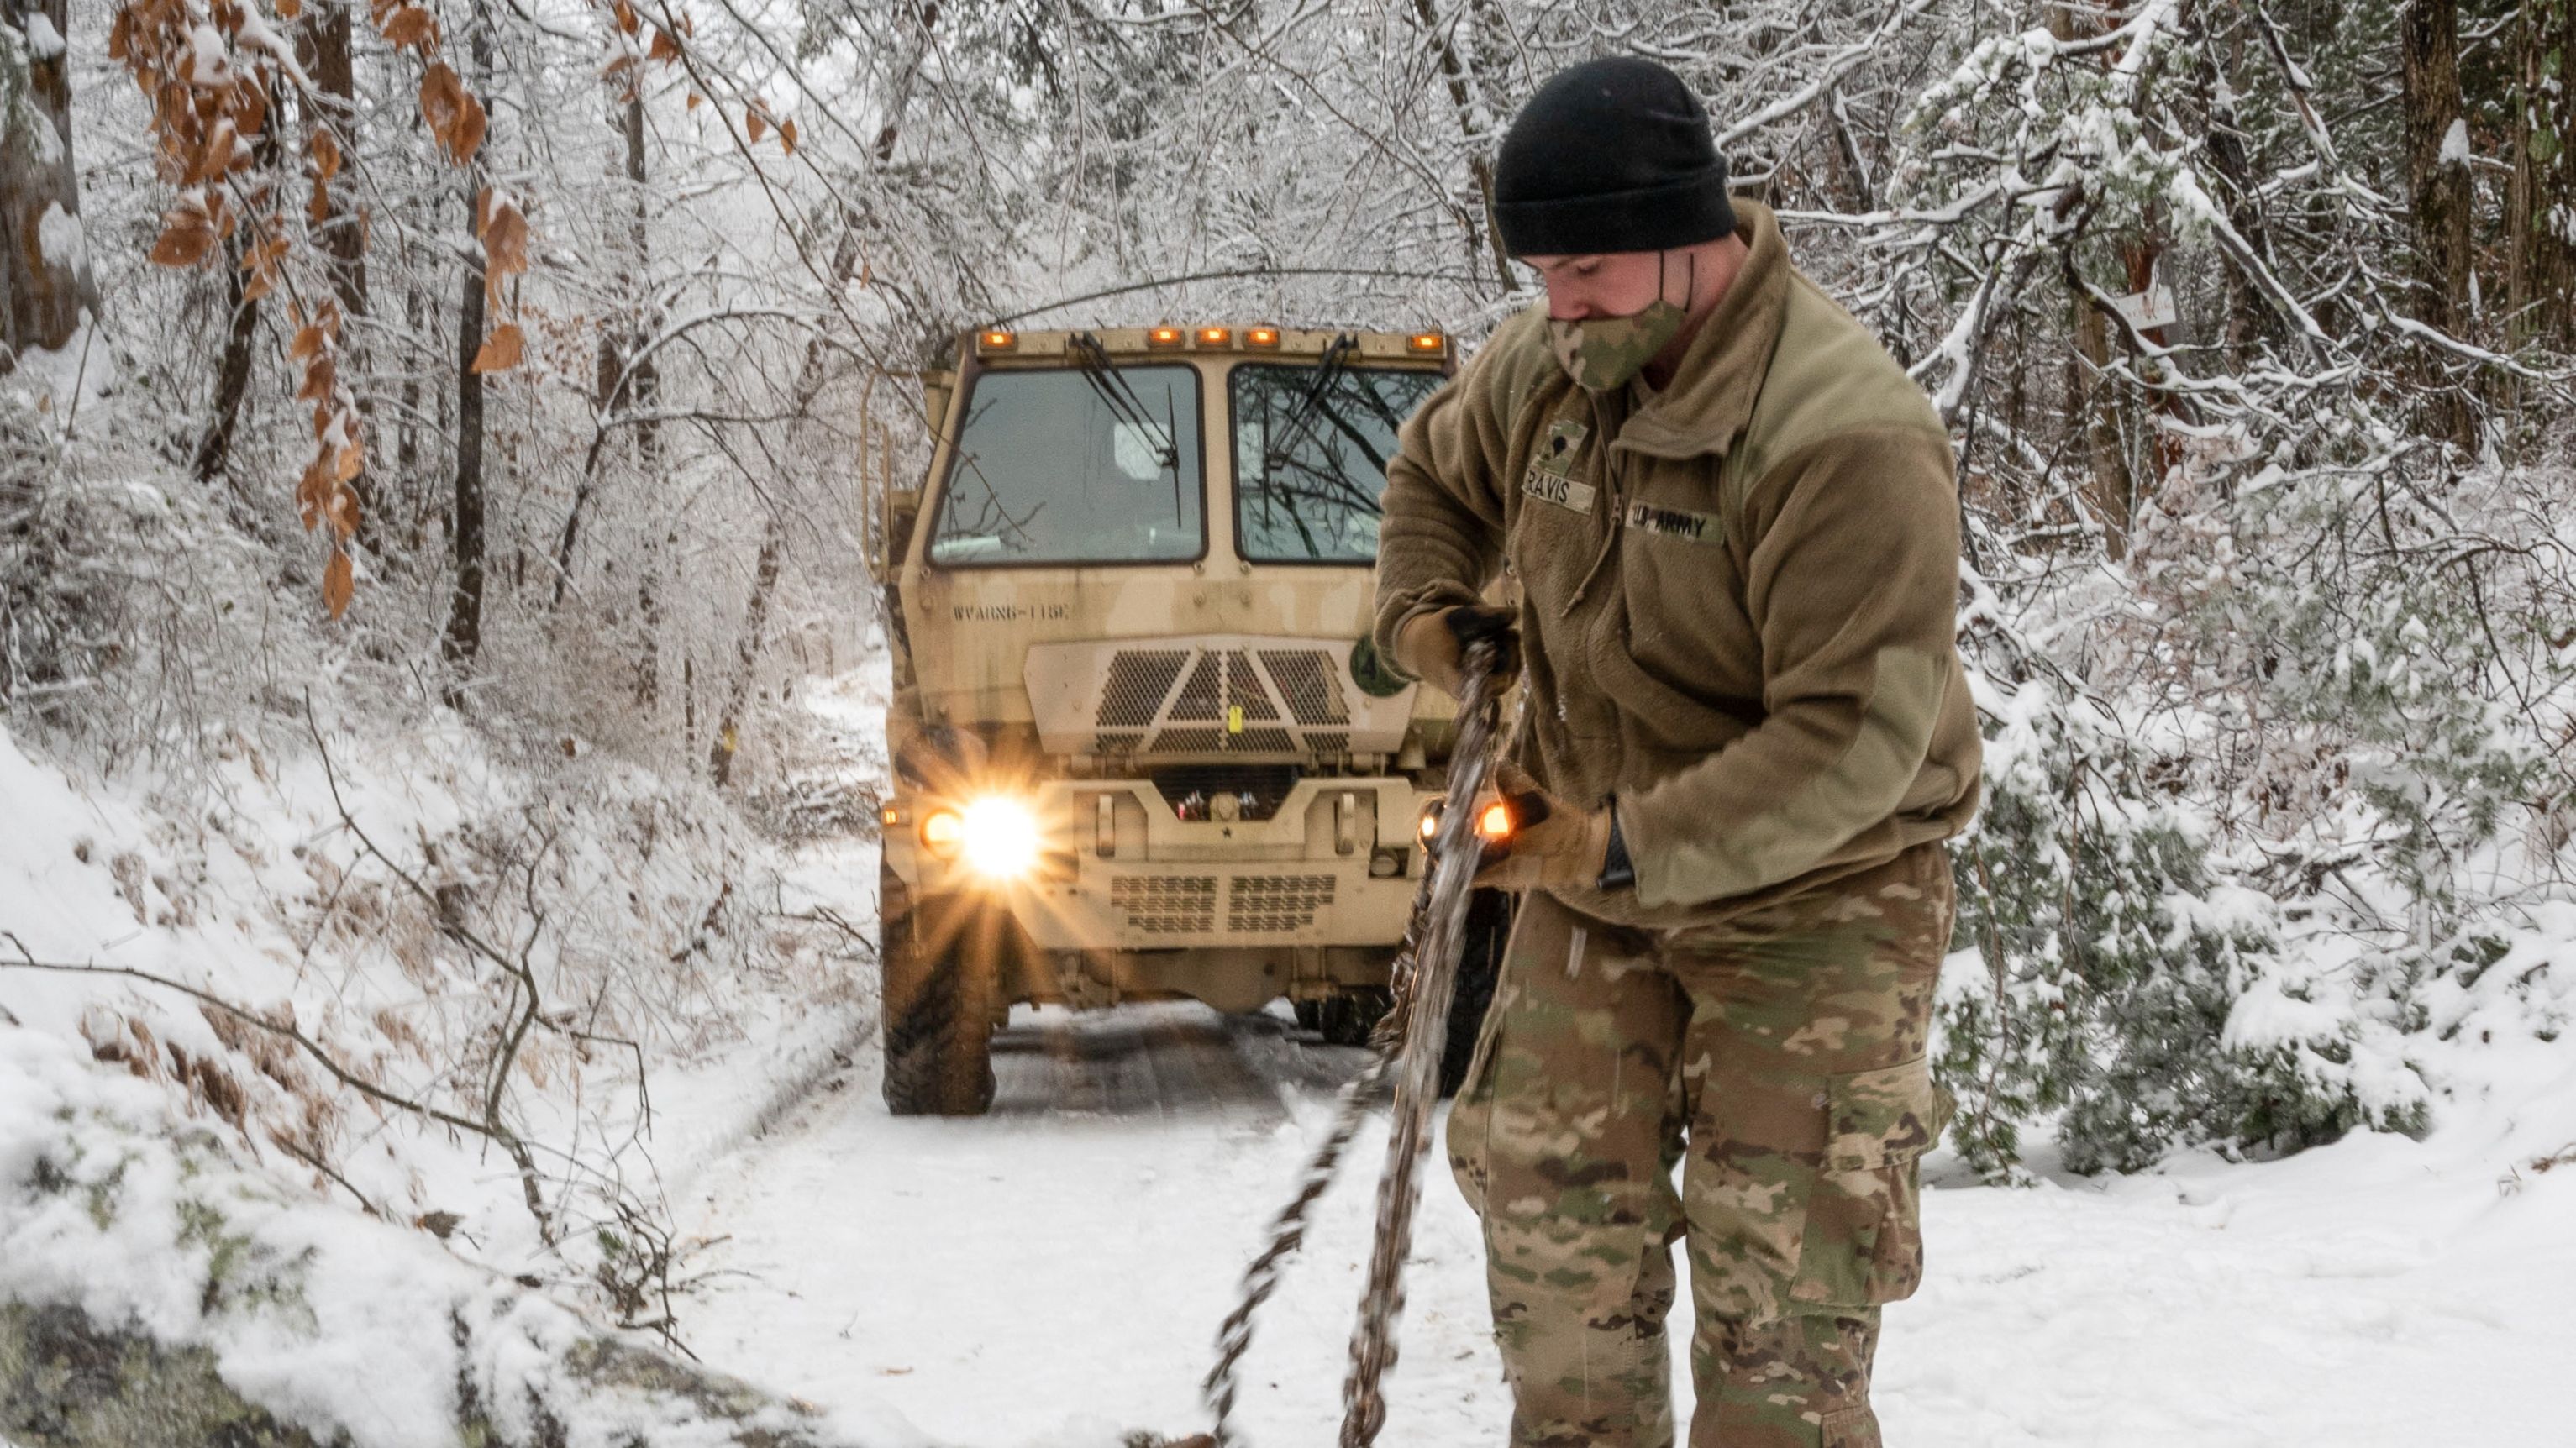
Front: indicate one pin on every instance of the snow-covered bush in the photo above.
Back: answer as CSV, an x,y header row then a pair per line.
x,y
2111,960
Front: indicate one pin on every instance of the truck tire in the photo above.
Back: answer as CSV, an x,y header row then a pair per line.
x,y
1348,1018
941,965
1480,965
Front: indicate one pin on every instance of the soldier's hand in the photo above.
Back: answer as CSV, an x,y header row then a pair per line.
x,y
1433,647
1551,841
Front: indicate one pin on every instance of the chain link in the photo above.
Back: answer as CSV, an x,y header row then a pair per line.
x,y
1408,1045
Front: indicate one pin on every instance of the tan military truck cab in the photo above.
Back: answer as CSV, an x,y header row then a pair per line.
x,y
1141,747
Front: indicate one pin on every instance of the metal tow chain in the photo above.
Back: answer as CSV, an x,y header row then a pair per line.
x,y
1408,1044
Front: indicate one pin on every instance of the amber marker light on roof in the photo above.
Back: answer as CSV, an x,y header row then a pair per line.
x,y
1163,337
997,340
1426,342
1216,336
1261,337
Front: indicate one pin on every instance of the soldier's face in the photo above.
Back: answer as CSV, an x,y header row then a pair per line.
x,y
1612,284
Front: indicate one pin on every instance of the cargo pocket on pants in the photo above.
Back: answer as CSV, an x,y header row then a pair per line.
x,y
1851,1428
1864,1240
1471,1112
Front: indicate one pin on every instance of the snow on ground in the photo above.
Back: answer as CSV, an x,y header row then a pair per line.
x,y
1053,1274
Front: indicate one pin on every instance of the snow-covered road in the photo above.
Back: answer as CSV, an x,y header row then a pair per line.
x,y
1052,1274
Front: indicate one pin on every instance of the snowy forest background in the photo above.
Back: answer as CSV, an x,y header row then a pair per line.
x,y
481,406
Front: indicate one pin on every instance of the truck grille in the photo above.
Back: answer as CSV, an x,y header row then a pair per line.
x,y
1210,696
1262,904
1166,904
1195,694
1137,683
1254,904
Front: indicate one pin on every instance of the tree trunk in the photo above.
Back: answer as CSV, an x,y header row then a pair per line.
x,y
1480,163
232,372
2540,253
773,543
2109,489
2437,176
619,387
464,636
45,281
322,44
764,587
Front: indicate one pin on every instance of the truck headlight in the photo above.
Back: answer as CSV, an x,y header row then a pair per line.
x,y
997,836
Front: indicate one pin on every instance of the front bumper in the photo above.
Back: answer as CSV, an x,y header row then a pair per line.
x,y
1118,870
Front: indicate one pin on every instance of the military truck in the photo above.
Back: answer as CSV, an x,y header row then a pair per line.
x,y
1141,746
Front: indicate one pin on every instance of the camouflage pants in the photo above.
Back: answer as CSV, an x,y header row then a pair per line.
x,y
1780,1060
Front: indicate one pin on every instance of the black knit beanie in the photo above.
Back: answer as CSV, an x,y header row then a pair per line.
x,y
1611,155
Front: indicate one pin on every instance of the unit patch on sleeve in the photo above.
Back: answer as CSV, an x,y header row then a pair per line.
x,y
1550,478
1680,523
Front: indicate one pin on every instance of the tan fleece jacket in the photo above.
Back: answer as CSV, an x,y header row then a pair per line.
x,y
1737,596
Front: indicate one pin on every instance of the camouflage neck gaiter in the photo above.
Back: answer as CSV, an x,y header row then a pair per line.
x,y
1602,353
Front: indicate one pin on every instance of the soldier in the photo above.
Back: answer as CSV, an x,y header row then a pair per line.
x,y
1734,529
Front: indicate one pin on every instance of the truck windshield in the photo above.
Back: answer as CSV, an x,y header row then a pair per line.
x,y
1311,443
1091,465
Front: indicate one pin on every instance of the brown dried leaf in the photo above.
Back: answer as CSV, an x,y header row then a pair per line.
x,y
339,583
696,100
319,375
326,153
755,124
214,155
505,242
308,340
469,132
787,136
412,26
186,237
290,9
502,349
312,493
247,104
664,49
627,20
617,67
454,117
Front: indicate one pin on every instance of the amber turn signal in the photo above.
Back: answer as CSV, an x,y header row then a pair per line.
x,y
1261,337
1216,336
1163,337
942,831
997,340
1427,342
1496,822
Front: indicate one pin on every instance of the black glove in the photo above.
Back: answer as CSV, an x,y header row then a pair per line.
x,y
1475,623
1433,647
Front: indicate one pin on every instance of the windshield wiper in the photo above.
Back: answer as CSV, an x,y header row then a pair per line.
x,y
1120,398
1328,370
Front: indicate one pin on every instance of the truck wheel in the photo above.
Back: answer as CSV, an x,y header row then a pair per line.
x,y
1480,965
941,964
1347,1019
